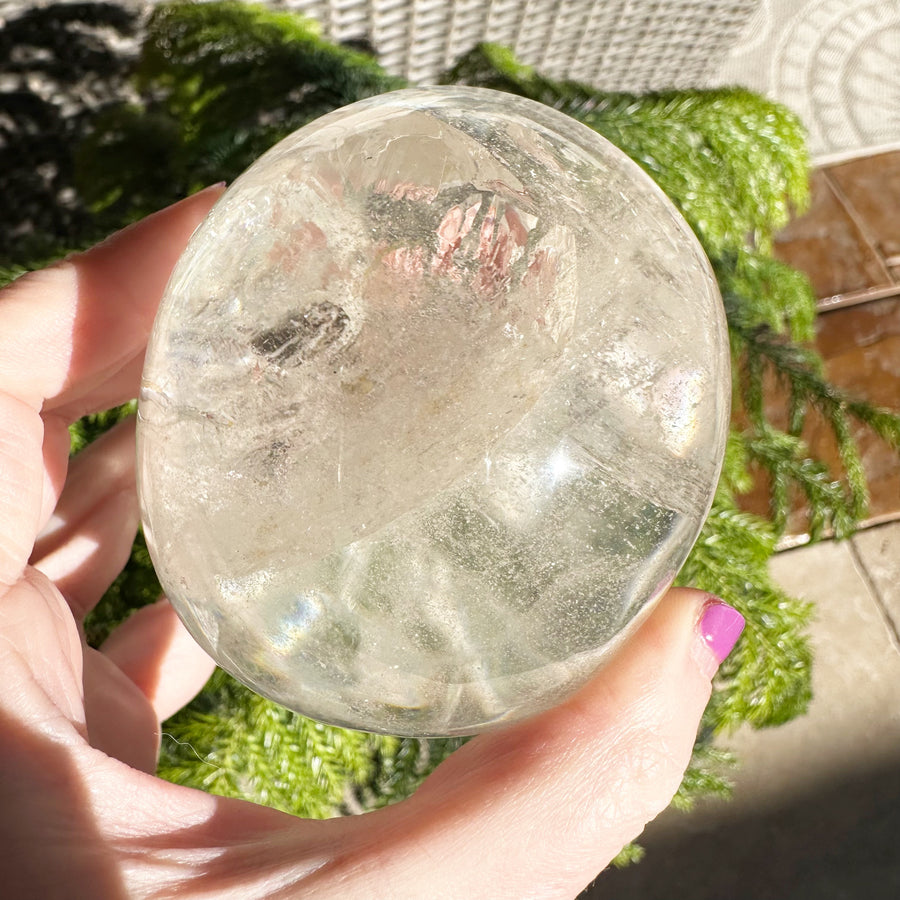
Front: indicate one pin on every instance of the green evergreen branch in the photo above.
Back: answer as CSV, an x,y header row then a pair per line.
x,y
736,478
705,775
760,290
800,372
766,679
883,422
220,83
786,459
9,274
400,766
629,855
734,164
238,744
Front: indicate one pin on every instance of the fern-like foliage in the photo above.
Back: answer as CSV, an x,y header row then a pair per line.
x,y
263,752
400,766
765,357
220,83
766,679
733,164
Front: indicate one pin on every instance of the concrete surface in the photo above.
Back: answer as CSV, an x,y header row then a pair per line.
x,y
816,808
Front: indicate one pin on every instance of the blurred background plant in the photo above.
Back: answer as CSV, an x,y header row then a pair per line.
x,y
109,114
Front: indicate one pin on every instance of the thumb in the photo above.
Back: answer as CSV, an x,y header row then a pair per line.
x,y
540,808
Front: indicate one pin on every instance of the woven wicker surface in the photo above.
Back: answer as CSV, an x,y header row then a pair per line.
x,y
630,45
832,61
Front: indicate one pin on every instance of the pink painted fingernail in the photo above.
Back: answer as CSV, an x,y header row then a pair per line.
x,y
720,626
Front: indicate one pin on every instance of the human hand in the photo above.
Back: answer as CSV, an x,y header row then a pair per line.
x,y
534,810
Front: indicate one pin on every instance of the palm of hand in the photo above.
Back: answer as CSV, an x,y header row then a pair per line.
x,y
534,810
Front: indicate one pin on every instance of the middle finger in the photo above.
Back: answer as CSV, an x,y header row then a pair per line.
x,y
88,539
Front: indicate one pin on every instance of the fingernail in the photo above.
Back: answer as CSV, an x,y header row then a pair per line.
x,y
720,626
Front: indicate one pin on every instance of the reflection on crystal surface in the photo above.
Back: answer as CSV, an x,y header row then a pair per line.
x,y
433,408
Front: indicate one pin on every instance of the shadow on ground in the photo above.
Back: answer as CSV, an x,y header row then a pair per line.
x,y
841,843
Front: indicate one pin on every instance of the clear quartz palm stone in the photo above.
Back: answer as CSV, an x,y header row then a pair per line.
x,y
432,411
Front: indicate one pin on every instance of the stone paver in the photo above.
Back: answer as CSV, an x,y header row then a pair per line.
x,y
854,718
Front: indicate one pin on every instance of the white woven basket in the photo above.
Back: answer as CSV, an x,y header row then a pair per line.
x,y
631,45
625,45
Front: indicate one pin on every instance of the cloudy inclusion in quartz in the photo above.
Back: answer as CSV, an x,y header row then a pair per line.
x,y
433,408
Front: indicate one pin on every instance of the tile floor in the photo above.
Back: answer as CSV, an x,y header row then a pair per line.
x,y
816,807
833,62
848,243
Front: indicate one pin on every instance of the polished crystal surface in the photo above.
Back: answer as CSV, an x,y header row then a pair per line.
x,y
433,409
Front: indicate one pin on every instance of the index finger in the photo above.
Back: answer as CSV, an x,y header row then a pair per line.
x,y
72,336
